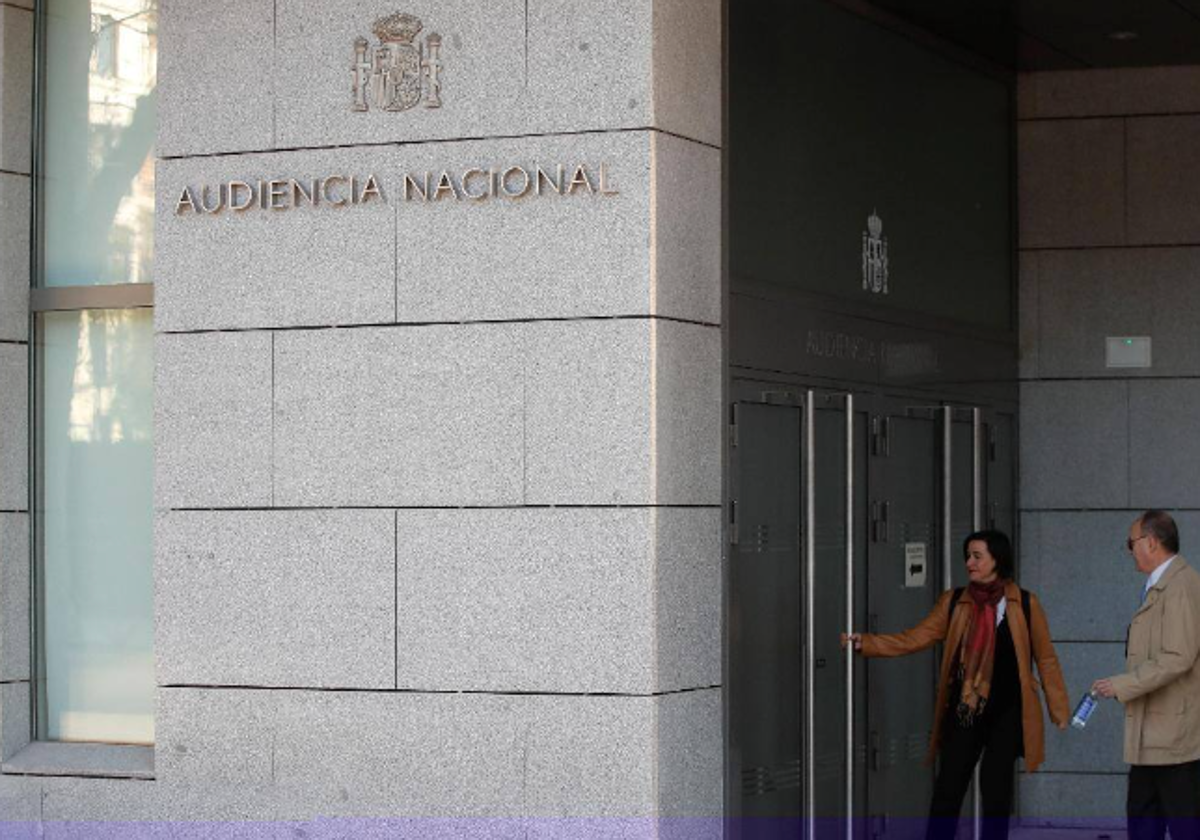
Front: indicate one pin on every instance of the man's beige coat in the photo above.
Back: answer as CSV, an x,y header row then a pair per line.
x,y
1161,685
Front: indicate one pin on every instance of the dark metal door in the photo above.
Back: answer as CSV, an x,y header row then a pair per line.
x,y
840,573
798,553
767,703
904,582
914,478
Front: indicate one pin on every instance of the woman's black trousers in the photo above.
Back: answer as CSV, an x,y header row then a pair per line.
x,y
997,736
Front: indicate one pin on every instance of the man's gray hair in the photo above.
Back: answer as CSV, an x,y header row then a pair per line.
x,y
1160,525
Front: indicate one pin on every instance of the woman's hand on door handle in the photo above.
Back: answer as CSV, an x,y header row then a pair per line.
x,y
855,637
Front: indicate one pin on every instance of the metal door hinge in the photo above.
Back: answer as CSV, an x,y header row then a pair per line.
x,y
733,529
733,427
880,512
879,437
991,443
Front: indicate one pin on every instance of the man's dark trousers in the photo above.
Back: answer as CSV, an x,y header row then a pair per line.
x,y
1162,797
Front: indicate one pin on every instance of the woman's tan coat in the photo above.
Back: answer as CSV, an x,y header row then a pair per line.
x,y
942,625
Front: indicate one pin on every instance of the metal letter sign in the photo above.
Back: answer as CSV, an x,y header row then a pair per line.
x,y
874,256
397,74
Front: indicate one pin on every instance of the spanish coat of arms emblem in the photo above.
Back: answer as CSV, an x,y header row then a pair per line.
x,y
400,71
874,256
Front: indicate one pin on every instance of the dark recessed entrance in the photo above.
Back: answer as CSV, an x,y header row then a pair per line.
x,y
872,397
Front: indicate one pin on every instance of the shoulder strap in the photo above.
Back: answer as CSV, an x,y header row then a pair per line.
x,y
957,594
1028,621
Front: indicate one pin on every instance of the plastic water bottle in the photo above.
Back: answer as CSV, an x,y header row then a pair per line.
x,y
1084,710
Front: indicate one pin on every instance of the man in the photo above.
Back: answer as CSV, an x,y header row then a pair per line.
x,y
1161,687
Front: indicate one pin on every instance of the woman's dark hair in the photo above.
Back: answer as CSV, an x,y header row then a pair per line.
x,y
999,547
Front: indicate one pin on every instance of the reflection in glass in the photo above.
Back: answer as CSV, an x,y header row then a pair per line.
x,y
95,526
100,115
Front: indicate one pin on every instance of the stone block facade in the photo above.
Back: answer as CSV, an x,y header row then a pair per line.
x,y
437,447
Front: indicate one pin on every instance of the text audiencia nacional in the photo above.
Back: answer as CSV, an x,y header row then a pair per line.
x,y
473,184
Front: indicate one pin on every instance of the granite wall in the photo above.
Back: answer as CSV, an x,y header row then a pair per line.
x,y
1109,166
16,96
438,479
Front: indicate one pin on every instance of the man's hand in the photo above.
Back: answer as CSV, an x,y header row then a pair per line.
x,y
1104,688
853,637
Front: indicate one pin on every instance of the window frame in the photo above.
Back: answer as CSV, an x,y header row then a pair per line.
x,y
44,757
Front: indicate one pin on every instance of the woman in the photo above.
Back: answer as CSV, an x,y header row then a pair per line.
x,y
987,698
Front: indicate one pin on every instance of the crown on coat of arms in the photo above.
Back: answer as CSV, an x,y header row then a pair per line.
x,y
399,28
874,225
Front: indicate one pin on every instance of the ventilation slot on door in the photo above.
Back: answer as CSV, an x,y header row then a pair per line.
x,y
918,745
829,766
762,538
759,781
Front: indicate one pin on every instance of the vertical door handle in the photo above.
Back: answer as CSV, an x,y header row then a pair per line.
x,y
978,444
810,624
947,490
850,467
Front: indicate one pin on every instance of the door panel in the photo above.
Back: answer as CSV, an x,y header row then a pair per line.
x,y
897,567
768,695
766,680
901,691
830,696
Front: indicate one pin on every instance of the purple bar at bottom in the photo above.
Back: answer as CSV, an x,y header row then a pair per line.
x,y
523,828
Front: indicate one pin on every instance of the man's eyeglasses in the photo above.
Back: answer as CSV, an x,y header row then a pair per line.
x,y
1129,543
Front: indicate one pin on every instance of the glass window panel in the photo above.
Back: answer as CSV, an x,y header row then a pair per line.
x,y
100,115
95,526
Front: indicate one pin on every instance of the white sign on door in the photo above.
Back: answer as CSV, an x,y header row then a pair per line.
x,y
915,564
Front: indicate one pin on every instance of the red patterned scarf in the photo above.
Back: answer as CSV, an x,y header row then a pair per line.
x,y
977,654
